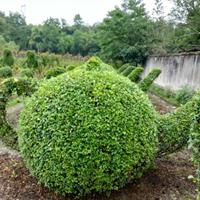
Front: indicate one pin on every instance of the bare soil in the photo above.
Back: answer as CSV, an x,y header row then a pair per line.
x,y
168,181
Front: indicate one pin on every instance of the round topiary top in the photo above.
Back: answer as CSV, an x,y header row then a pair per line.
x,y
96,64
88,131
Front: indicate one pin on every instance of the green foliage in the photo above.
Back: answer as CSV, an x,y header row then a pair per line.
x,y
32,60
194,142
174,129
128,70
95,63
22,86
184,94
7,45
123,67
149,79
88,131
54,72
26,73
26,86
5,72
8,59
71,67
7,88
134,76
47,59
126,33
6,132
9,85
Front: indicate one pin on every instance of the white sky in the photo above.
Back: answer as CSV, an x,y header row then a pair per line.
x,y
36,11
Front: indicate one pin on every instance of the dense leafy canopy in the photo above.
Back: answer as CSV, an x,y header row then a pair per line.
x,y
128,34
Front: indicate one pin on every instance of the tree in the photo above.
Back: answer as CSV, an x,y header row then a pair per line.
x,y
125,34
187,13
78,20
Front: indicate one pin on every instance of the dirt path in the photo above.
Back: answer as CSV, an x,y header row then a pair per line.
x,y
160,105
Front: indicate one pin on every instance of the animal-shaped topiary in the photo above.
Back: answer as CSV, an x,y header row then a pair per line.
x,y
88,131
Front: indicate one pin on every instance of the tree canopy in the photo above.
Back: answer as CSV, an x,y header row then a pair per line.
x,y
128,33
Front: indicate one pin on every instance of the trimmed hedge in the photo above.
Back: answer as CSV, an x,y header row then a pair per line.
x,y
128,70
54,72
194,142
184,94
88,131
7,134
145,84
174,128
26,86
134,76
5,72
123,67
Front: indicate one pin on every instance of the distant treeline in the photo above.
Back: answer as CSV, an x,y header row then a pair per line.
x,y
127,35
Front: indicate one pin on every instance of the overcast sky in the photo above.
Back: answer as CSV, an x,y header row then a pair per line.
x,y
36,11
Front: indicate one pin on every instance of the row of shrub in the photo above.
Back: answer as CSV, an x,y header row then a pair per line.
x,y
134,74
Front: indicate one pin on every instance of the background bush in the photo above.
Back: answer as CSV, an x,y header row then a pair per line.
x,y
123,67
184,94
88,131
8,59
54,72
26,73
194,142
174,128
128,70
5,72
32,60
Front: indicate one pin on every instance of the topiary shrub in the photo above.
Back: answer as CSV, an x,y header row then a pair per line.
x,y
32,60
123,67
194,142
71,67
54,72
128,70
8,59
134,76
95,63
5,72
89,131
174,129
26,73
149,79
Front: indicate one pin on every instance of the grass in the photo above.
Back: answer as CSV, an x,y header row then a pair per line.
x,y
165,94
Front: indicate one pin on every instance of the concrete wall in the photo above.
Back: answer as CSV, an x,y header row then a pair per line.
x,y
177,70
